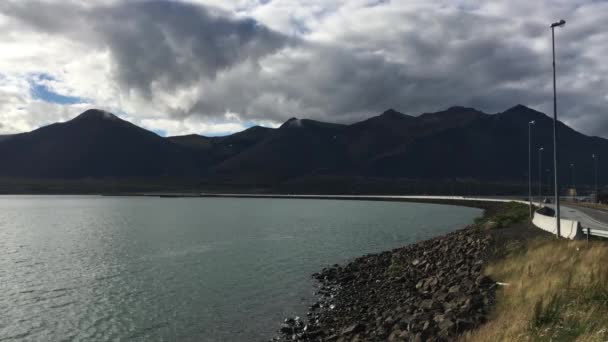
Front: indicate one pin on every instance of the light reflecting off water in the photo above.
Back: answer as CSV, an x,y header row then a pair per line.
x,y
183,269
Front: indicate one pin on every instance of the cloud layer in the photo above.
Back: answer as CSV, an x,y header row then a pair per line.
x,y
213,66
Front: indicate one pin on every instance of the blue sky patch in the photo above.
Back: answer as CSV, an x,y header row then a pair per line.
x,y
247,124
160,132
40,91
218,134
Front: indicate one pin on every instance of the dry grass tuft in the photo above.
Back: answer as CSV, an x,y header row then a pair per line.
x,y
558,291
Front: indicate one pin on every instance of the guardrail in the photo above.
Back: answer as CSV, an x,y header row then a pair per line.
x,y
594,232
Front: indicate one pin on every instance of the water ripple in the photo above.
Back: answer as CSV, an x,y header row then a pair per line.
x,y
111,269
144,332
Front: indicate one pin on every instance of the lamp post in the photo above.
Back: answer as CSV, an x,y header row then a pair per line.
x,y
548,171
572,181
540,176
560,23
573,175
595,157
530,165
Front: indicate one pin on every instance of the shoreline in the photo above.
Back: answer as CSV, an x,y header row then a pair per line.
x,y
432,290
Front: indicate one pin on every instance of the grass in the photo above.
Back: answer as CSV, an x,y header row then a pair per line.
x,y
511,213
557,291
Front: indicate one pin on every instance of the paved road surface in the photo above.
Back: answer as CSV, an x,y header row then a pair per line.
x,y
589,218
596,214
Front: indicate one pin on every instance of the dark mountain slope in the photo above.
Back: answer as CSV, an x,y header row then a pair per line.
x,y
5,136
298,147
492,147
456,143
379,134
238,141
193,141
95,144
212,150
452,117
307,147
426,124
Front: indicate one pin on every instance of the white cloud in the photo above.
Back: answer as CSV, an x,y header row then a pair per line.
x,y
329,60
194,126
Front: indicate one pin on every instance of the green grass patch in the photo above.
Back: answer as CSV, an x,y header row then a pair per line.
x,y
510,214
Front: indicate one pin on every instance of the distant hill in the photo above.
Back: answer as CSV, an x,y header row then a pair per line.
x,y
297,148
96,144
457,143
5,136
494,147
211,150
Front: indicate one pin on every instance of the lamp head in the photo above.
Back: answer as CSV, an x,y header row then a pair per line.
x,y
532,122
541,149
559,23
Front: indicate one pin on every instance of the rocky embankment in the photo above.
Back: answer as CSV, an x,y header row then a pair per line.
x,y
429,291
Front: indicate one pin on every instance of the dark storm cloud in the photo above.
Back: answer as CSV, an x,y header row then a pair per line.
x,y
439,59
161,43
176,44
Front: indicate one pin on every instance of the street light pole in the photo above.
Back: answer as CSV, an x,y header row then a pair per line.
x,y
530,165
555,165
594,156
549,190
540,176
573,175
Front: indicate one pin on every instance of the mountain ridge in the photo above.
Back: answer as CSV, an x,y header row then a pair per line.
x,y
457,142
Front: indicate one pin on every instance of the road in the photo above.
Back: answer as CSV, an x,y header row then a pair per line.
x,y
597,214
588,218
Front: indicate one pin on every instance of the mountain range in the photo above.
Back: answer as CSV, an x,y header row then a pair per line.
x,y
456,143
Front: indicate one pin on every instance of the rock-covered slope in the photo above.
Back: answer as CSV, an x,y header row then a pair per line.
x,y
433,289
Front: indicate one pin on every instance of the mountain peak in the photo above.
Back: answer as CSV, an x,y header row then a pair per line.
x,y
527,113
96,114
391,113
292,122
519,108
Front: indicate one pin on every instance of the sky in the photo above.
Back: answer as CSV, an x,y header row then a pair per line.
x,y
214,67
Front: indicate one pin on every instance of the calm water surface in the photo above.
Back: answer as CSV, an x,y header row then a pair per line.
x,y
152,269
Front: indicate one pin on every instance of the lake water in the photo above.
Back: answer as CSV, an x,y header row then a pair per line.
x,y
201,269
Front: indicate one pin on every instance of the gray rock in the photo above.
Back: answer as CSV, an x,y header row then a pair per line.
x,y
454,289
427,304
446,325
353,329
439,292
